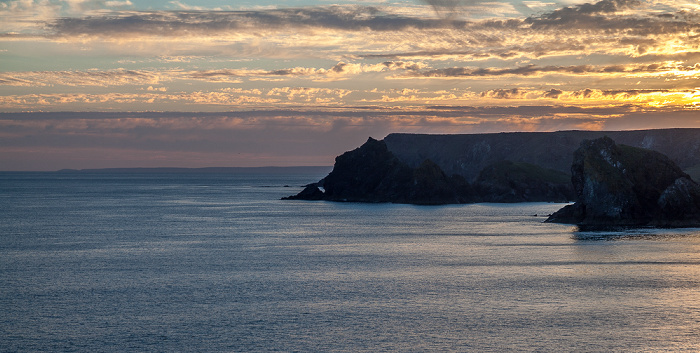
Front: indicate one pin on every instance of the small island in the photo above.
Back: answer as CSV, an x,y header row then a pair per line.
x,y
623,186
613,185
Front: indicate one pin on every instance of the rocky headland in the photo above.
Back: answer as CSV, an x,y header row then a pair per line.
x,y
623,186
371,173
503,167
468,154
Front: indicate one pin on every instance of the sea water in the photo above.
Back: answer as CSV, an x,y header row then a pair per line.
x,y
218,263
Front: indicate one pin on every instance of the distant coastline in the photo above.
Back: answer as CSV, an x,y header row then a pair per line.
x,y
206,170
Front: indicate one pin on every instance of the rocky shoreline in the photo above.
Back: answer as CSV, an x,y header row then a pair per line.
x,y
371,173
621,186
613,185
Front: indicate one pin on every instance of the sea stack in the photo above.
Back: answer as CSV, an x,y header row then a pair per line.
x,y
622,186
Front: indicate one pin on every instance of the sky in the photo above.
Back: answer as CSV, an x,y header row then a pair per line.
x,y
201,83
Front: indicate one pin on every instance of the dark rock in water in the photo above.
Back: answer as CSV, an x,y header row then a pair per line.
x,y
622,186
505,167
311,192
371,173
507,181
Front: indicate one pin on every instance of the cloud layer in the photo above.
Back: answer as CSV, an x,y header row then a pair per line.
x,y
334,73
50,141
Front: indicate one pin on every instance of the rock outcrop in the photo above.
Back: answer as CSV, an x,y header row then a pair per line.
x,y
623,186
507,181
468,154
504,167
371,173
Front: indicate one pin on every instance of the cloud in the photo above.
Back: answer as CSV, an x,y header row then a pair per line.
x,y
553,93
339,71
24,16
633,70
317,97
592,48
188,23
632,20
119,77
82,6
84,78
159,96
684,99
513,93
450,9
600,7
310,94
619,28
41,141
28,16
445,6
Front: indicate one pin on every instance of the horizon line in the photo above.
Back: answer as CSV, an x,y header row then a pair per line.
x,y
212,170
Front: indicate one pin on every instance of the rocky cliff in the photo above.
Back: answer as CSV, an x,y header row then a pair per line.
x,y
507,181
468,154
504,167
623,186
371,173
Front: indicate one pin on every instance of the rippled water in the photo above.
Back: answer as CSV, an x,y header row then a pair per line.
x,y
174,262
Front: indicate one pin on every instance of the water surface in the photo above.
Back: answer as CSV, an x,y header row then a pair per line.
x,y
180,262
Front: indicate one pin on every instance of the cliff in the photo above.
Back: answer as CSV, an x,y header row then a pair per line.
x,y
468,154
371,173
507,181
623,186
504,167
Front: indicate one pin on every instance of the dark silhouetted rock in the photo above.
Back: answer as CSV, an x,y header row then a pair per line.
x,y
468,154
311,192
371,173
507,181
623,186
431,186
503,167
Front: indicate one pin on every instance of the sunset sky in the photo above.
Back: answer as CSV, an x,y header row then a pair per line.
x,y
196,83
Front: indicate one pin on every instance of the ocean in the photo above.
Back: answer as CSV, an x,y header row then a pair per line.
x,y
188,262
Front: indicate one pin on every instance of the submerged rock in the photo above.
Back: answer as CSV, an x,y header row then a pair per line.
x,y
622,186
